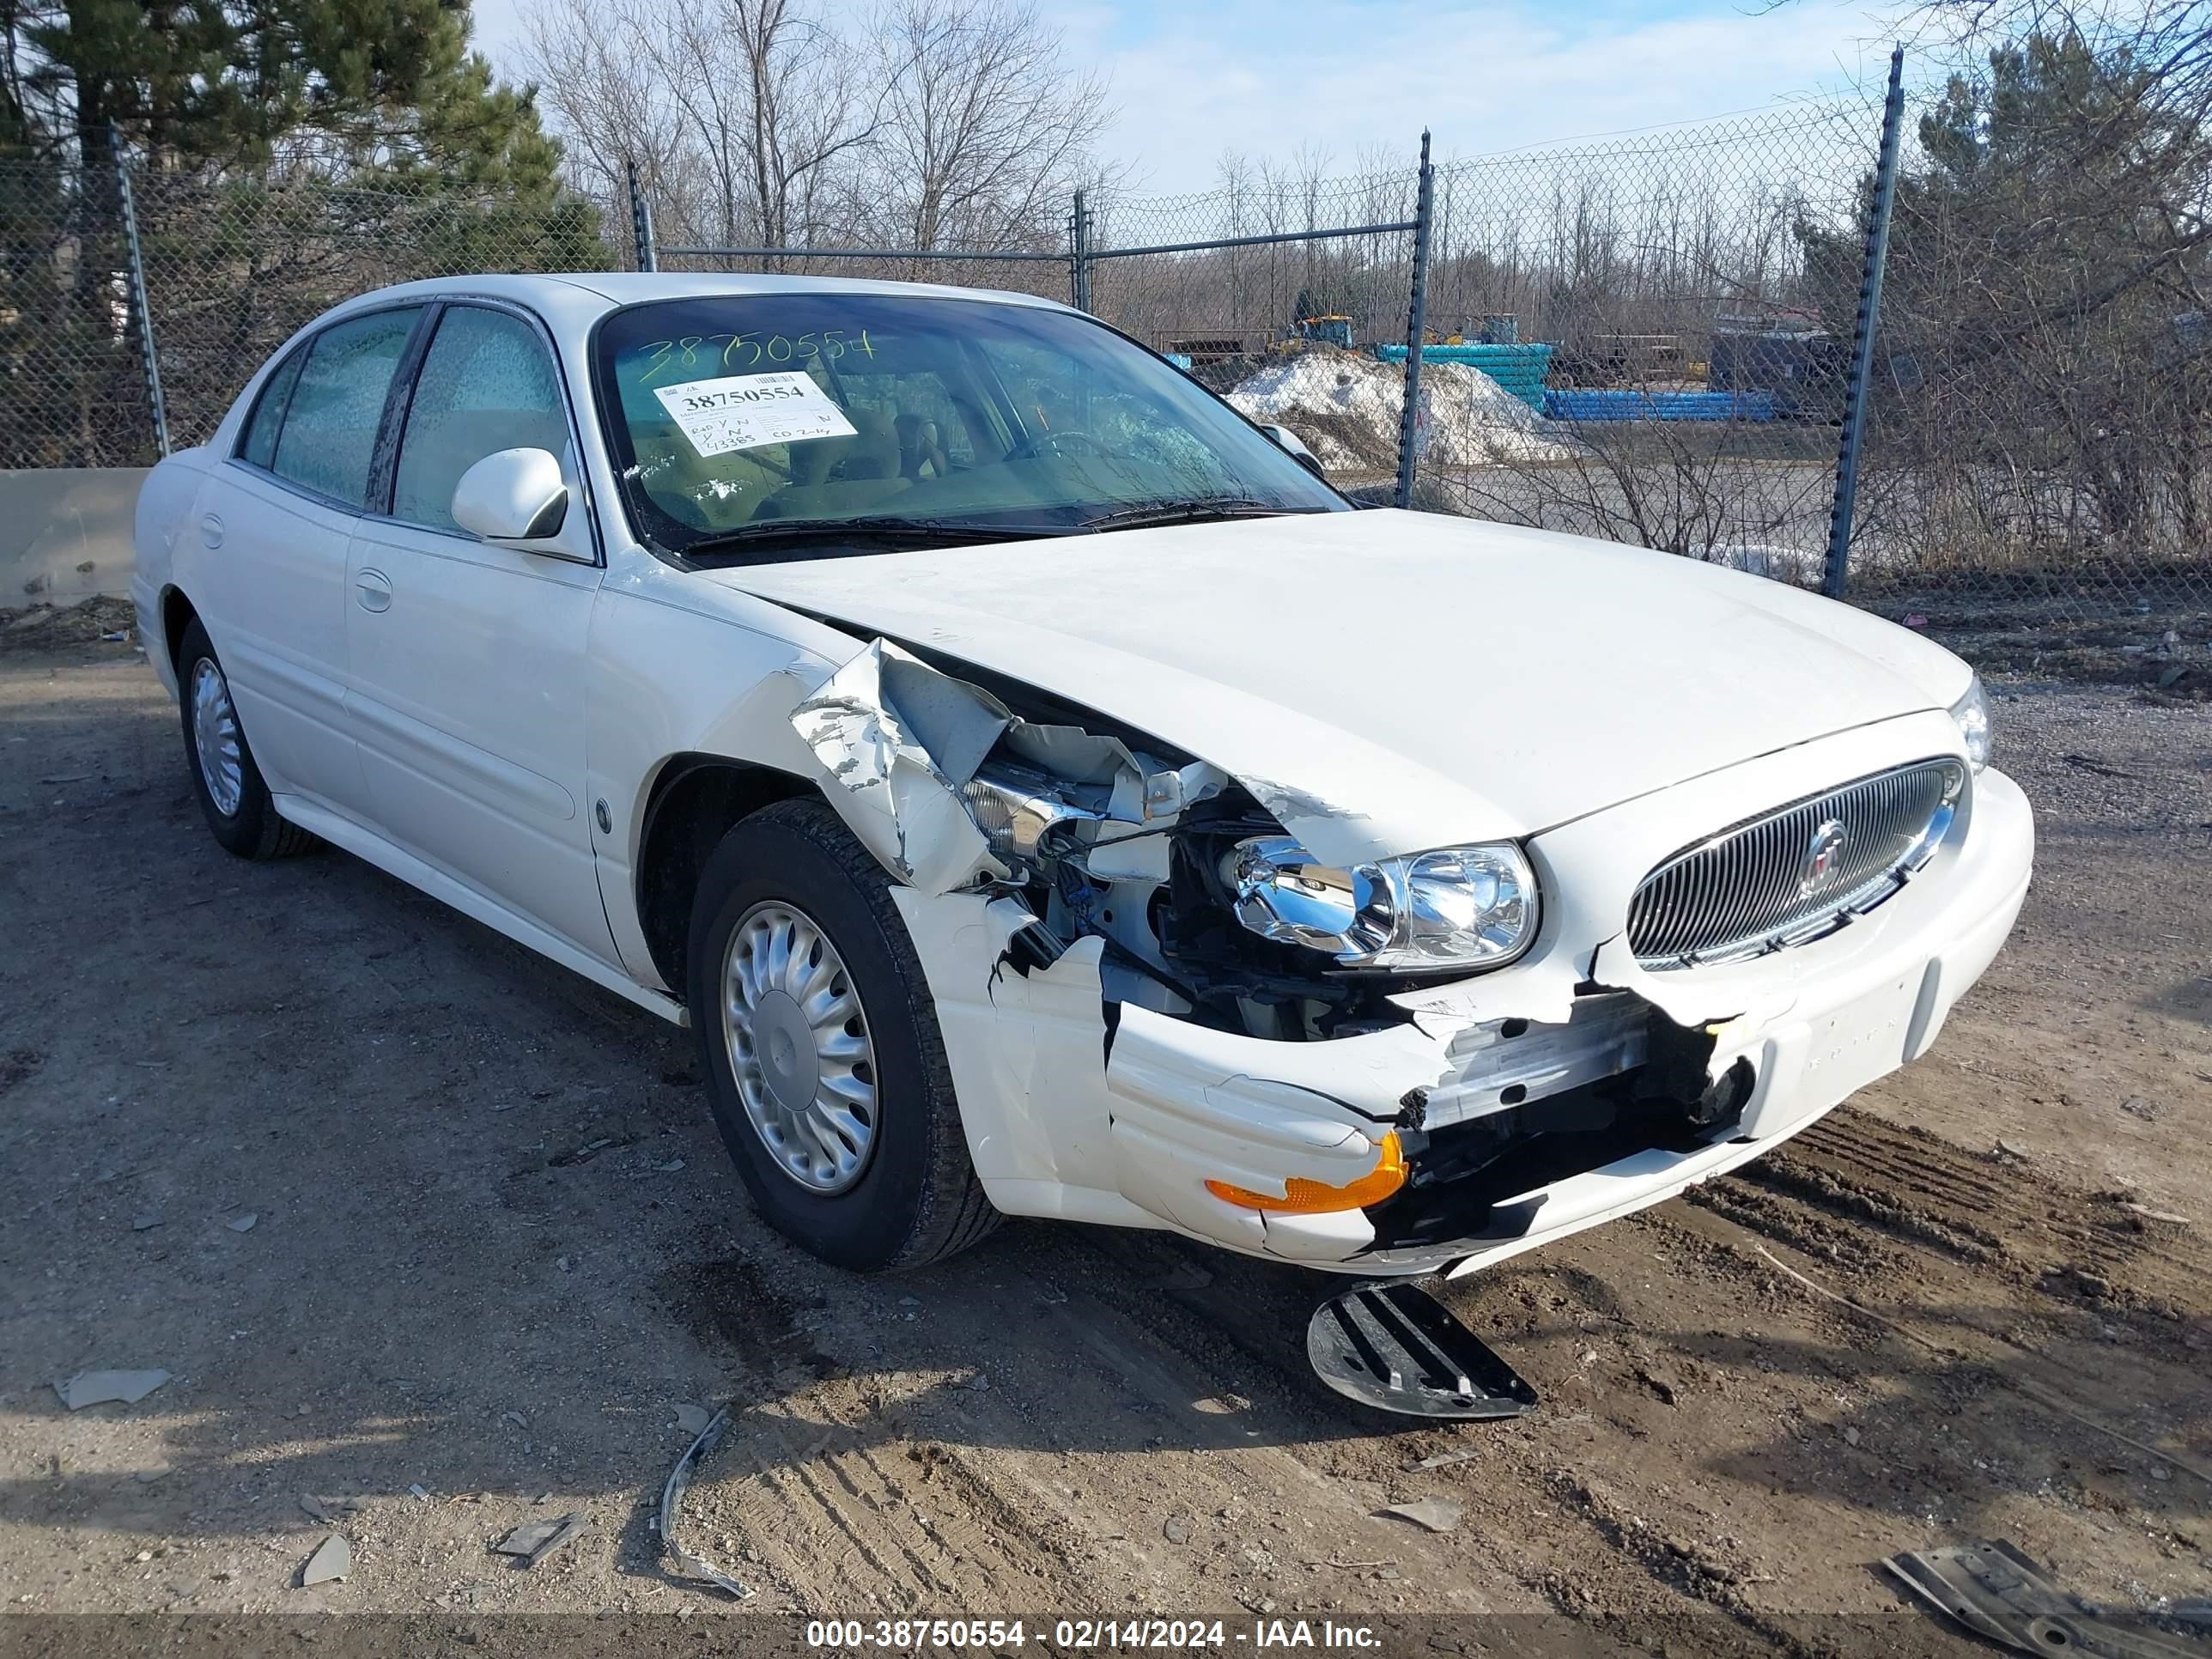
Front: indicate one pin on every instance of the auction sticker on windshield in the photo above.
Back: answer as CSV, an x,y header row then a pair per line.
x,y
743,411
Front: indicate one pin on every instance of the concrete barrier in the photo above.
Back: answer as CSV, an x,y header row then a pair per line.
x,y
65,533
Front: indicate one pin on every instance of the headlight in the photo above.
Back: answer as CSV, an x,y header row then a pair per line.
x,y
1970,713
1459,906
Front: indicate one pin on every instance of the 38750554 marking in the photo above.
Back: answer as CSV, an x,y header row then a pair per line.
x,y
910,1634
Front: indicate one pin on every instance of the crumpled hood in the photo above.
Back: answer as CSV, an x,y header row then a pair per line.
x,y
1387,682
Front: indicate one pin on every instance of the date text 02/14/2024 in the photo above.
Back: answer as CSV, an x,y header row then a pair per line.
x,y
997,1635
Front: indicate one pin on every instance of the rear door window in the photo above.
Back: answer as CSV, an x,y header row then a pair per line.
x,y
328,442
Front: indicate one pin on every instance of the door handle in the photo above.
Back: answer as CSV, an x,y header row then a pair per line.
x,y
211,530
373,589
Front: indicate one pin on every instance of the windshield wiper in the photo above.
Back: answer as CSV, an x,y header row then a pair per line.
x,y
780,533
1204,509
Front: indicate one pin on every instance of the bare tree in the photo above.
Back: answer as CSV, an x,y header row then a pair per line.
x,y
588,60
985,130
736,113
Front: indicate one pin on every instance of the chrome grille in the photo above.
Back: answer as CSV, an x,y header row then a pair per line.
x,y
1762,883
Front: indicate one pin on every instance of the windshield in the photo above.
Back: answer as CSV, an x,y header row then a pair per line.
x,y
737,418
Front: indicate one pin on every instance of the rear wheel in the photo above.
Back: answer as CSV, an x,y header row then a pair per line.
x,y
820,1045
233,796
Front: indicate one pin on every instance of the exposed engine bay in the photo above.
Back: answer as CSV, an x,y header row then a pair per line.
x,y
1209,910
1206,911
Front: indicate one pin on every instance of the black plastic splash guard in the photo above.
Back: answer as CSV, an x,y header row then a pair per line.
x,y
1391,1344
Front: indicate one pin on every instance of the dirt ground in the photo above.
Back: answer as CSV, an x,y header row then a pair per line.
x,y
495,1246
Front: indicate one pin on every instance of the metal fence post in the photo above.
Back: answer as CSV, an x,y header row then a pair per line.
x,y
1075,253
640,224
143,313
1084,268
1835,578
1416,326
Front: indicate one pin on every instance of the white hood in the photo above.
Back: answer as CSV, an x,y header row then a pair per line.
x,y
1387,682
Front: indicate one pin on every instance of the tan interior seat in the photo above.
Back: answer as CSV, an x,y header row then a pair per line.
x,y
834,477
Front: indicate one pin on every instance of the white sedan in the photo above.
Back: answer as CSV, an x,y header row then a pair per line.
x,y
1043,794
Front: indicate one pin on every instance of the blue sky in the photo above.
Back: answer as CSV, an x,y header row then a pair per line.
x,y
1191,80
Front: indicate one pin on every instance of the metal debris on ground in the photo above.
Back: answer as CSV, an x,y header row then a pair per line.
x,y
1999,1593
242,1223
1445,1460
1437,1514
333,1558
682,1562
421,1492
98,1388
533,1540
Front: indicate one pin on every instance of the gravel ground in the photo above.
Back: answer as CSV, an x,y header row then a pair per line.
x,y
496,1248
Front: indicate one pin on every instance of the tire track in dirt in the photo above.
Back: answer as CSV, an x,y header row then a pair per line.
x,y
1988,1211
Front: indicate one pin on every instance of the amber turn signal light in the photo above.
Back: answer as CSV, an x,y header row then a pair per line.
x,y
1303,1197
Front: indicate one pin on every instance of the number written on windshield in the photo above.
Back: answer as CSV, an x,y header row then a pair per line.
x,y
693,352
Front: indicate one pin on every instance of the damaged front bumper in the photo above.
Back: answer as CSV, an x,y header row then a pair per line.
x,y
1531,1102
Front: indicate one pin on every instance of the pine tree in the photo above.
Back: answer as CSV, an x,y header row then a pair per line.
x,y
224,85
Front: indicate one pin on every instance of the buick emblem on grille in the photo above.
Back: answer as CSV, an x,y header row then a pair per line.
x,y
1824,859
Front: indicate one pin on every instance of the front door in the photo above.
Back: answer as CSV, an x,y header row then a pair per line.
x,y
469,659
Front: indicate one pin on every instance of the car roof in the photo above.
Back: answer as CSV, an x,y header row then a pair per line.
x,y
596,291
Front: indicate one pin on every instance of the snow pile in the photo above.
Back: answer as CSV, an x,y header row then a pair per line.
x,y
1346,406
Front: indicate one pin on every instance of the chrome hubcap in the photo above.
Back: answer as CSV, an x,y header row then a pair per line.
x,y
799,1048
215,736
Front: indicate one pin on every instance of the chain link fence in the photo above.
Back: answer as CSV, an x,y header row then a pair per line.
x,y
1679,314
2039,479
72,390
1649,339
234,270
228,270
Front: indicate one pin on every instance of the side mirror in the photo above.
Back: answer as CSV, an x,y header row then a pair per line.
x,y
512,496
1292,445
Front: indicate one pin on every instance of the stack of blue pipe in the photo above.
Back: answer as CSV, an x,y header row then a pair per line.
x,y
1583,407
1519,368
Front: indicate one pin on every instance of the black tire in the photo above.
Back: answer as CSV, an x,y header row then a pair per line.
x,y
253,829
917,1199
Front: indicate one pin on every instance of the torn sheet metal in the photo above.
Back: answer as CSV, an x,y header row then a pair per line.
x,y
905,743
900,739
681,1562
1999,1593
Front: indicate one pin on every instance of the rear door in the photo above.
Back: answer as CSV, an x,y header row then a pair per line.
x,y
468,659
276,522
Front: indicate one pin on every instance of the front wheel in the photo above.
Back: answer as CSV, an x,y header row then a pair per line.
x,y
820,1046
